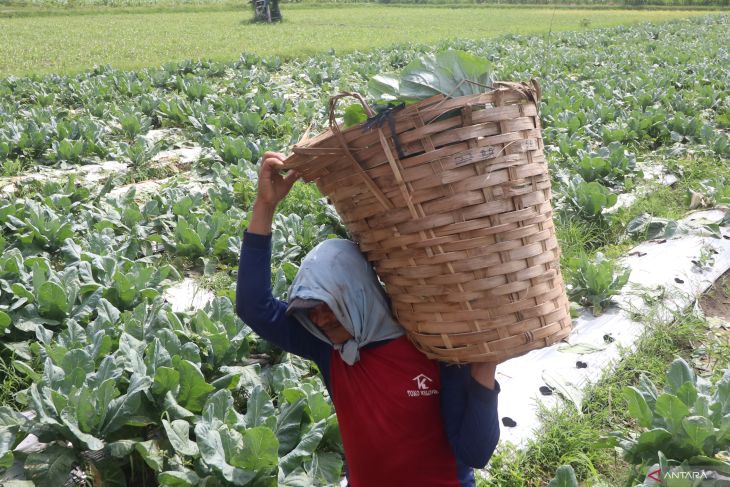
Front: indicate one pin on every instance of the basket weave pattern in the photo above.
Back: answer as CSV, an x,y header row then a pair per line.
x,y
450,200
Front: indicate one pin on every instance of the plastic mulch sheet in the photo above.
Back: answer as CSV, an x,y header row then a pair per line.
x,y
662,271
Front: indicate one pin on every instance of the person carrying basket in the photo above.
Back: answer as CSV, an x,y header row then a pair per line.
x,y
405,420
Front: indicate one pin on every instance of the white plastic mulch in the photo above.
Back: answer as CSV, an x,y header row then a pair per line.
x,y
90,174
661,269
187,295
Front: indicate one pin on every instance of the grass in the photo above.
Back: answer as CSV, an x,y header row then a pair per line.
x,y
138,38
11,382
9,168
568,436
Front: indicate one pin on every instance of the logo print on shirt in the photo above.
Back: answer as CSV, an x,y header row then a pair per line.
x,y
422,381
423,387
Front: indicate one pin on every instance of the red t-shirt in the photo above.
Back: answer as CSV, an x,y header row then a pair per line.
x,y
390,418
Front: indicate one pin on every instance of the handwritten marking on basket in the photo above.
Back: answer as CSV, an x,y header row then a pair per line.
x,y
490,152
483,153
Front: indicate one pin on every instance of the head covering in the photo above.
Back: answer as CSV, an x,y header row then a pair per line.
x,y
302,304
336,273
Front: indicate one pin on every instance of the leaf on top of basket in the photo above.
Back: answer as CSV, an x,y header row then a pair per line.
x,y
450,73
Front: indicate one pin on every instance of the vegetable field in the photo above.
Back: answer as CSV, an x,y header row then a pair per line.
x,y
127,386
30,43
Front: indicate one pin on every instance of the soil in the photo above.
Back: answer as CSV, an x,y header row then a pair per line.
x,y
716,301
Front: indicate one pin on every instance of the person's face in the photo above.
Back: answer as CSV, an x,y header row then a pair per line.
x,y
323,317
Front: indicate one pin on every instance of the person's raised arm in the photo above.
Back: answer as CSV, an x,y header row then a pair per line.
x,y
255,304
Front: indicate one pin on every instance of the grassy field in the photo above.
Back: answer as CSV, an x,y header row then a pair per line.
x,y
68,43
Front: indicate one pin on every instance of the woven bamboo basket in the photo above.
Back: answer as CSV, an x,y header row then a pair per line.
x,y
449,199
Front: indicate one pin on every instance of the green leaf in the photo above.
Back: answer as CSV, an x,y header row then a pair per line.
x,y
289,425
724,433
698,428
701,406
713,463
445,73
354,115
325,468
5,322
260,450
175,410
217,407
306,447
109,474
679,373
7,440
638,407
151,453
654,439
27,370
564,477
178,433
193,388
77,360
687,393
319,407
384,88
722,393
228,382
21,292
166,379
258,408
52,301
211,450
50,467
188,478
121,448
71,422
672,409
122,409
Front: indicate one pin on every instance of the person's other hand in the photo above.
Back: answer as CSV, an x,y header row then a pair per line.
x,y
484,373
273,187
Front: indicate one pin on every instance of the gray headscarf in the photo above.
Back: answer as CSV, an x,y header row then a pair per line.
x,y
336,273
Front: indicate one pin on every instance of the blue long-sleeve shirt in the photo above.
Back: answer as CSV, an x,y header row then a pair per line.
x,y
467,410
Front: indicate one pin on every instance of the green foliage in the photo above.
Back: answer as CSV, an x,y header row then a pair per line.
x,y
564,477
609,166
354,115
450,73
687,424
232,150
100,358
594,282
587,200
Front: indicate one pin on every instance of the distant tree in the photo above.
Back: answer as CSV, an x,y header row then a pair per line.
x,y
266,10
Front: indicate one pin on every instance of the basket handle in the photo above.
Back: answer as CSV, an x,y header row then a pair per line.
x,y
384,201
345,94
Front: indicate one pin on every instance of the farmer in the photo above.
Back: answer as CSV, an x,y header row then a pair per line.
x,y
405,420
